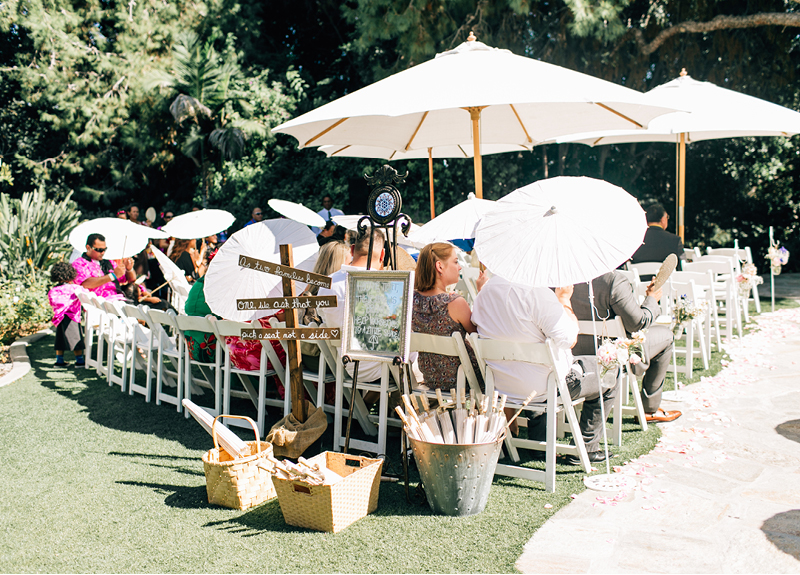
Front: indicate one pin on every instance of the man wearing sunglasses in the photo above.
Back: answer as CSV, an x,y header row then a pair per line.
x,y
99,275
257,216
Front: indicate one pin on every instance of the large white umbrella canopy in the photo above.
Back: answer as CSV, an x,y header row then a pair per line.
x,y
199,224
124,239
459,222
560,232
297,212
472,96
226,281
710,113
453,151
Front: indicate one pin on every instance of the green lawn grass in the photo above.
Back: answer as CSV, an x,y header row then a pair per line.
x,y
97,481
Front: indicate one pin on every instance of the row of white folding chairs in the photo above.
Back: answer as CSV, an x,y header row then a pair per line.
x,y
159,349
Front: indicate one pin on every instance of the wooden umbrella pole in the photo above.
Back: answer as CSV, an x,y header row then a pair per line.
x,y
475,115
299,407
430,177
681,185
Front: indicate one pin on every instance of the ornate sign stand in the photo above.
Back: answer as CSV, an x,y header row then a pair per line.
x,y
383,209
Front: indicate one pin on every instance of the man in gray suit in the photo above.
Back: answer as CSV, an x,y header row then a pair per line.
x,y
614,296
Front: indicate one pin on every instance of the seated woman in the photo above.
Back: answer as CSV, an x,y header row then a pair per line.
x,y
437,312
191,262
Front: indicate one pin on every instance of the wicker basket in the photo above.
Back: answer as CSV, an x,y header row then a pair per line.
x,y
238,483
332,507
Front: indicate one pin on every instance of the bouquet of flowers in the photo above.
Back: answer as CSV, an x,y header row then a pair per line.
x,y
748,279
685,311
777,256
612,354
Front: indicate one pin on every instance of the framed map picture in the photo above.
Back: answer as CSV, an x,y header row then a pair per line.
x,y
377,315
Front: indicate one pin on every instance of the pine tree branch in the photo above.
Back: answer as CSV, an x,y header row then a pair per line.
x,y
717,23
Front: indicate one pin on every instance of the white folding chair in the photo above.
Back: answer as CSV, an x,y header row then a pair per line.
x,y
92,326
636,283
452,346
725,290
693,329
207,374
120,344
557,398
467,283
310,379
360,411
628,384
169,367
143,350
226,328
704,288
344,385
740,256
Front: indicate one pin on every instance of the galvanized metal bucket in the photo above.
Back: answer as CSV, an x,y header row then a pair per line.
x,y
457,478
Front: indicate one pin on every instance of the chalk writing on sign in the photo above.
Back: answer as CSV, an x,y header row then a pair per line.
x,y
296,333
298,302
284,271
377,315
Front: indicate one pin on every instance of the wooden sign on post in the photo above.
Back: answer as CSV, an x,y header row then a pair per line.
x,y
292,334
285,271
287,333
299,406
299,302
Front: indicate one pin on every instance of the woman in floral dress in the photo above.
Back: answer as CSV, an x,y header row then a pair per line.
x,y
437,312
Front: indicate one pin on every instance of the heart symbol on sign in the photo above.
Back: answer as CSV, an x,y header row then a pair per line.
x,y
335,332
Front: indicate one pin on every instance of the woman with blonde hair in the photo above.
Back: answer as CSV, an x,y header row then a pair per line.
x,y
437,312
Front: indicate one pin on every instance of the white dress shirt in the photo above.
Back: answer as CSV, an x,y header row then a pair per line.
x,y
327,215
513,312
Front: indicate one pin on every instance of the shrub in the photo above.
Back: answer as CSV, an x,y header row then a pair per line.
x,y
34,233
24,308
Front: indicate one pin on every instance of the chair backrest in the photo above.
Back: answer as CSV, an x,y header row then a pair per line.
x,y
701,279
112,308
452,346
133,312
682,288
194,323
613,328
737,253
646,268
163,318
717,266
227,328
499,350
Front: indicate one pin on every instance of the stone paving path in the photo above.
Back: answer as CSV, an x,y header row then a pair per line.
x,y
721,491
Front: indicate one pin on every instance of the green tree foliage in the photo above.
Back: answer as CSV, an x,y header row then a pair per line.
x,y
78,113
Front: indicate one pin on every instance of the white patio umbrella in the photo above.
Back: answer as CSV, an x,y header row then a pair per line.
x,y
459,222
711,113
199,224
226,281
297,212
472,96
124,239
560,232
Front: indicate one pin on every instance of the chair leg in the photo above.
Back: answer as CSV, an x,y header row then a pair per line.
x,y
622,398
